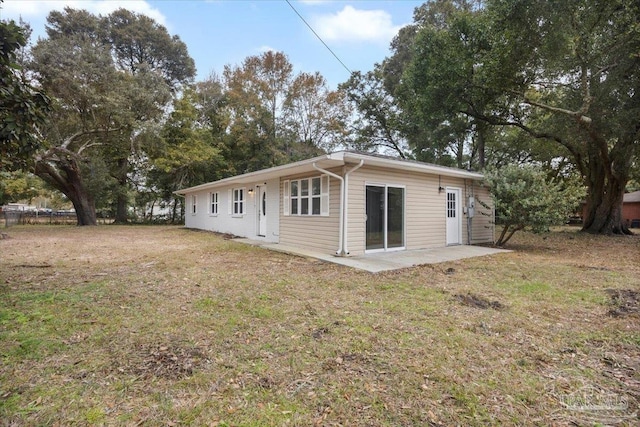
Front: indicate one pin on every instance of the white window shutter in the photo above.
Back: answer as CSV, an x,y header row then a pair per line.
x,y
324,195
286,204
230,201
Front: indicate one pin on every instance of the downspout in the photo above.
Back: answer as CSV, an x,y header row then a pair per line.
x,y
345,234
339,252
344,198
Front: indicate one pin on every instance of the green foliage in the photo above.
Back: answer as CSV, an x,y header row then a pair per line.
x,y
138,40
379,124
23,108
17,186
275,116
186,150
525,198
566,73
111,77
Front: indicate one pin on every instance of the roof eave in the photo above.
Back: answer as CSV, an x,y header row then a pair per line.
x,y
263,174
413,166
328,161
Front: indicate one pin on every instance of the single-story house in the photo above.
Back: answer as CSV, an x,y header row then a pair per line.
x,y
347,203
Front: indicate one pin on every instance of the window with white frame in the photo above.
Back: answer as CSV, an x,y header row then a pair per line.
x,y
238,201
308,196
214,204
194,204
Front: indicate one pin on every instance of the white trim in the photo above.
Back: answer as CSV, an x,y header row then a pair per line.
x,y
325,200
322,197
241,202
337,159
385,242
459,201
286,207
213,194
261,210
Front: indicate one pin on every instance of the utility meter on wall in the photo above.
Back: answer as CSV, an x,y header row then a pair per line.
x,y
471,206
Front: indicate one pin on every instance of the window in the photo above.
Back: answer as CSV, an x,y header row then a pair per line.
x,y
451,205
309,196
214,204
238,201
194,204
295,199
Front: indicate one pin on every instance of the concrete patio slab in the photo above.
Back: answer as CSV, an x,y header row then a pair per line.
x,y
385,261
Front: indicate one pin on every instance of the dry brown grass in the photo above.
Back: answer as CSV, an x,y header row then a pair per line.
x,y
118,325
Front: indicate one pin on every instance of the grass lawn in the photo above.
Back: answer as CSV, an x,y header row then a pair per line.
x,y
114,325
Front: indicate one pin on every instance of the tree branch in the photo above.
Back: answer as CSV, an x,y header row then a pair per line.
x,y
578,115
72,138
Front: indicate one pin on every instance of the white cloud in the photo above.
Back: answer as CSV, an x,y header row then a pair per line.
x,y
266,48
352,24
28,9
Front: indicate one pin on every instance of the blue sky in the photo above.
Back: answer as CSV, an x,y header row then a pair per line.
x,y
224,32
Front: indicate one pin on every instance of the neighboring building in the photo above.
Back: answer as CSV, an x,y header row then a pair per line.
x,y
631,209
347,203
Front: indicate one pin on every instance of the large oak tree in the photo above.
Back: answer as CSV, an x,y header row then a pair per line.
x,y
109,77
567,72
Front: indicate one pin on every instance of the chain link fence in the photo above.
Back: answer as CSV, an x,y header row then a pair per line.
x,y
13,217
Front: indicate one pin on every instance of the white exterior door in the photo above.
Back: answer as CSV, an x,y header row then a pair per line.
x,y
262,210
454,224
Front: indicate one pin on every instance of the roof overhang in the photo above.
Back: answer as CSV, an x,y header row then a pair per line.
x,y
632,197
333,160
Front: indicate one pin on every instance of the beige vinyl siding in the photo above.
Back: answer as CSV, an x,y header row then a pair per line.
x,y
425,214
424,221
312,231
482,226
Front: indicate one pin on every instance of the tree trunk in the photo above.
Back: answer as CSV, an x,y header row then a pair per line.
x,y
482,129
84,206
606,187
122,198
68,180
121,216
174,210
604,209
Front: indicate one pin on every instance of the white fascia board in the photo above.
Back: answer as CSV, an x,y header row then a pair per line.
x,y
266,174
411,165
332,160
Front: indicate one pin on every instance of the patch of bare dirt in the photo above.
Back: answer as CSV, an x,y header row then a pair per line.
x,y
625,302
472,300
169,361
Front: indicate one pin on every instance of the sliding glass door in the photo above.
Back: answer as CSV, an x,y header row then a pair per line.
x,y
385,217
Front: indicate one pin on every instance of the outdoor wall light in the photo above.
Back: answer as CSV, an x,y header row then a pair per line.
x,y
250,191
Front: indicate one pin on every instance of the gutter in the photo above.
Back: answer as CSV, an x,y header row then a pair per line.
x,y
344,198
